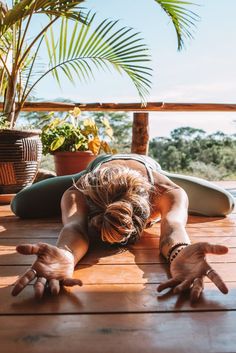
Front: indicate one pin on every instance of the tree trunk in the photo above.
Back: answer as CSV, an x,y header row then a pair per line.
x,y
9,103
140,134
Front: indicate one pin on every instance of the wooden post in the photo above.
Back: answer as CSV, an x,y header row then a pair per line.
x,y
140,133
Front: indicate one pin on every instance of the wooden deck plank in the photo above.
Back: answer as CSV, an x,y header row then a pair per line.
x,y
9,256
127,273
152,333
144,243
116,298
195,231
49,231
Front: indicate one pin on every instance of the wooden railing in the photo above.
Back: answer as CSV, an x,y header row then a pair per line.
x,y
135,107
140,135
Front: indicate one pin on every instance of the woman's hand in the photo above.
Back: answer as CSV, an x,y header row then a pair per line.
x,y
53,265
189,268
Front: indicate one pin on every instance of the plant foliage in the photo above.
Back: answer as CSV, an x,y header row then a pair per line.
x,y
73,134
75,53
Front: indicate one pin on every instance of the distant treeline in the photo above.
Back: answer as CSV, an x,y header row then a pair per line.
x,y
192,151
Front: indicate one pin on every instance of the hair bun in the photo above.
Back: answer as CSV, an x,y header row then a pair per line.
x,y
118,197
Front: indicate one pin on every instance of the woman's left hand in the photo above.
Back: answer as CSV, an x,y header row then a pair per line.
x,y
189,268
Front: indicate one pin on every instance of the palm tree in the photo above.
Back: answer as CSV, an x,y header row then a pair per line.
x,y
77,51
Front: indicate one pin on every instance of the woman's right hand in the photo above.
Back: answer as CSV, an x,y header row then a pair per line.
x,y
53,265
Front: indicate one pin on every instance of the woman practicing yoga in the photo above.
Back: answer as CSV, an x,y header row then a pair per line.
x,y
113,200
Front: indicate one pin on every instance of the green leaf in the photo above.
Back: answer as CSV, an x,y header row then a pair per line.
x,y
57,143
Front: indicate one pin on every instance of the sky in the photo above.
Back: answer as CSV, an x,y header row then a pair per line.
x,y
204,71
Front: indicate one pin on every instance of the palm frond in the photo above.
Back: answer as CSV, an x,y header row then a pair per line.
x,y
183,19
53,8
81,50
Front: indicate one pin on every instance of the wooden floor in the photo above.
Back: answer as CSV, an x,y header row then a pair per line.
x,y
118,308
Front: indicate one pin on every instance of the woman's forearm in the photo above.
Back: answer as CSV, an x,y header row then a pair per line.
x,y
72,238
172,234
174,215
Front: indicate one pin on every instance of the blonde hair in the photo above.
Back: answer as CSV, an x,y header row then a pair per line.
x,y
118,199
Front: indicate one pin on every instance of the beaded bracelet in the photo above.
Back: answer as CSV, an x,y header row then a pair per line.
x,y
176,252
179,247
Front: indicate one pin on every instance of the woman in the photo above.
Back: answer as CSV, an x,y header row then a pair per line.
x,y
114,200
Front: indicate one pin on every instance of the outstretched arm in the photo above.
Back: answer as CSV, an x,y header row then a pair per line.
x,y
173,207
188,264
55,264
74,234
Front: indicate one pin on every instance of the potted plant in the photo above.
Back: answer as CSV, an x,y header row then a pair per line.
x,y
75,51
75,142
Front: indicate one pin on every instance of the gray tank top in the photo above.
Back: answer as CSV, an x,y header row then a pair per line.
x,y
149,163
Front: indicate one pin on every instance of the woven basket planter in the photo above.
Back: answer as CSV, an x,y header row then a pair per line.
x,y
20,155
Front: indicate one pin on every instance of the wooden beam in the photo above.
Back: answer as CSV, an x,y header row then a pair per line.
x,y
140,133
137,107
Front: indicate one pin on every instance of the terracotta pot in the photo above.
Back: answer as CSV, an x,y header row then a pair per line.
x,y
67,163
20,156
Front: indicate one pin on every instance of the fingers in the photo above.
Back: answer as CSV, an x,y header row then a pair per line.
x,y
168,284
22,282
70,282
32,249
217,280
182,286
197,289
54,286
28,249
39,287
214,248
